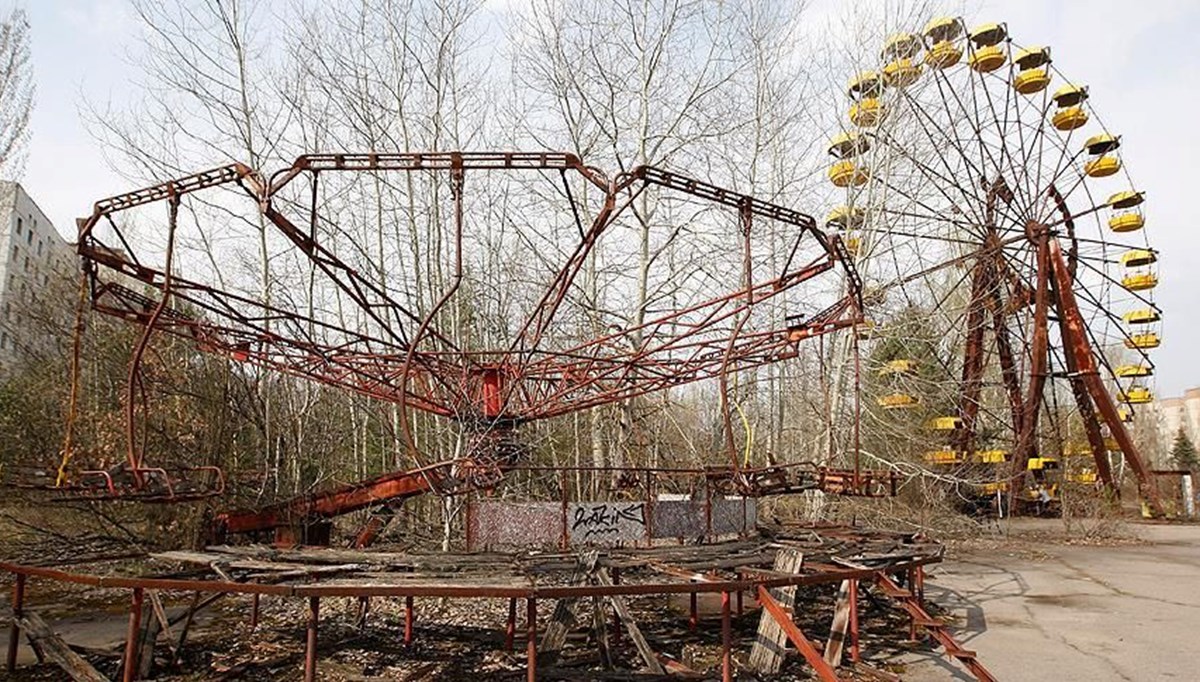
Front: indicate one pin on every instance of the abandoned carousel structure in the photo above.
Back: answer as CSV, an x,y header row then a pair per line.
x,y
550,288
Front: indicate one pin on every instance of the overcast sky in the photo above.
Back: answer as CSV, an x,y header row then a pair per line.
x,y
1139,59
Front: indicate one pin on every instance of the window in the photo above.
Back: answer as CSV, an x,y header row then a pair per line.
x,y
16,253
18,225
39,247
4,340
26,263
29,237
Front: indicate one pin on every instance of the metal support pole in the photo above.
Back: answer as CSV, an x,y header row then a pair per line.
x,y
616,619
130,671
726,640
693,612
254,610
408,619
14,630
364,607
740,606
310,643
531,639
854,653
510,632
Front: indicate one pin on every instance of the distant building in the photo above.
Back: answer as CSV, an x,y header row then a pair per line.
x,y
33,253
1169,415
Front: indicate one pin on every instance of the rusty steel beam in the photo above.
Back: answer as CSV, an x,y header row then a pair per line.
x,y
341,500
1039,350
1077,344
824,671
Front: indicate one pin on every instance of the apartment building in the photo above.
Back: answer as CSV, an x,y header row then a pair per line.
x,y
35,260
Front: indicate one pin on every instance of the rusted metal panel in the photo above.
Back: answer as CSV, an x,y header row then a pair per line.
x,y
607,523
734,515
680,519
516,524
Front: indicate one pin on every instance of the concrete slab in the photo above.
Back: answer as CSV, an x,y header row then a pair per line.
x,y
1074,612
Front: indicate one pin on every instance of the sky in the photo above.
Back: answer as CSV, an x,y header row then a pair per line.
x,y
1139,61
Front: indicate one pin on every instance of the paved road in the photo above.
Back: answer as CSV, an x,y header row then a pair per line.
x,y
1078,612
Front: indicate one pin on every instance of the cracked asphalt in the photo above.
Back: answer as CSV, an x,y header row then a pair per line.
x,y
1074,612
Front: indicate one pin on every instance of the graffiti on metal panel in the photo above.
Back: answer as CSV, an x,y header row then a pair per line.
x,y
604,520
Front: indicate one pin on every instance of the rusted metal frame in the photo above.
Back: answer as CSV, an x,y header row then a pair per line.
x,y
934,628
854,644
457,182
972,370
1087,412
346,278
203,331
187,184
529,336
1008,366
342,500
765,579
133,456
531,639
1076,343
696,373
432,161
626,364
409,619
534,326
1039,352
726,639
129,665
824,671
14,630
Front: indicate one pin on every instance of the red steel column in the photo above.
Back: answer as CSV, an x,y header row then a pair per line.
x,y
131,636
726,640
14,631
854,653
531,639
310,643
408,619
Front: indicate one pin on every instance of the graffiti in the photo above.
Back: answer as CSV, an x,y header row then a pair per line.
x,y
600,521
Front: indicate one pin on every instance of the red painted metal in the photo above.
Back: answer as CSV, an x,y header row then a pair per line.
x,y
14,630
531,639
824,671
726,640
341,500
1077,344
310,639
409,617
408,359
854,648
910,602
129,665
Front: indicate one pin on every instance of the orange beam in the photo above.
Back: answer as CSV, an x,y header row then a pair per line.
x,y
805,647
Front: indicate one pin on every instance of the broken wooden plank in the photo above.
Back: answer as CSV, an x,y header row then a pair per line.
x,y
841,626
57,651
784,619
766,656
565,610
635,633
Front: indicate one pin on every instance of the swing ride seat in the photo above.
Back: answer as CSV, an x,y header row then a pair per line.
x,y
122,483
785,479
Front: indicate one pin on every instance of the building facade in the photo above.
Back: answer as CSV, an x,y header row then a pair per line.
x,y
1168,416
35,260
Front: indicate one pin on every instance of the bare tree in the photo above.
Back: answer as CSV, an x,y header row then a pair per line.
x,y
16,93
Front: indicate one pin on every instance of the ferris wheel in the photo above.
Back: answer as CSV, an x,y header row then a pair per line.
x,y
1008,279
